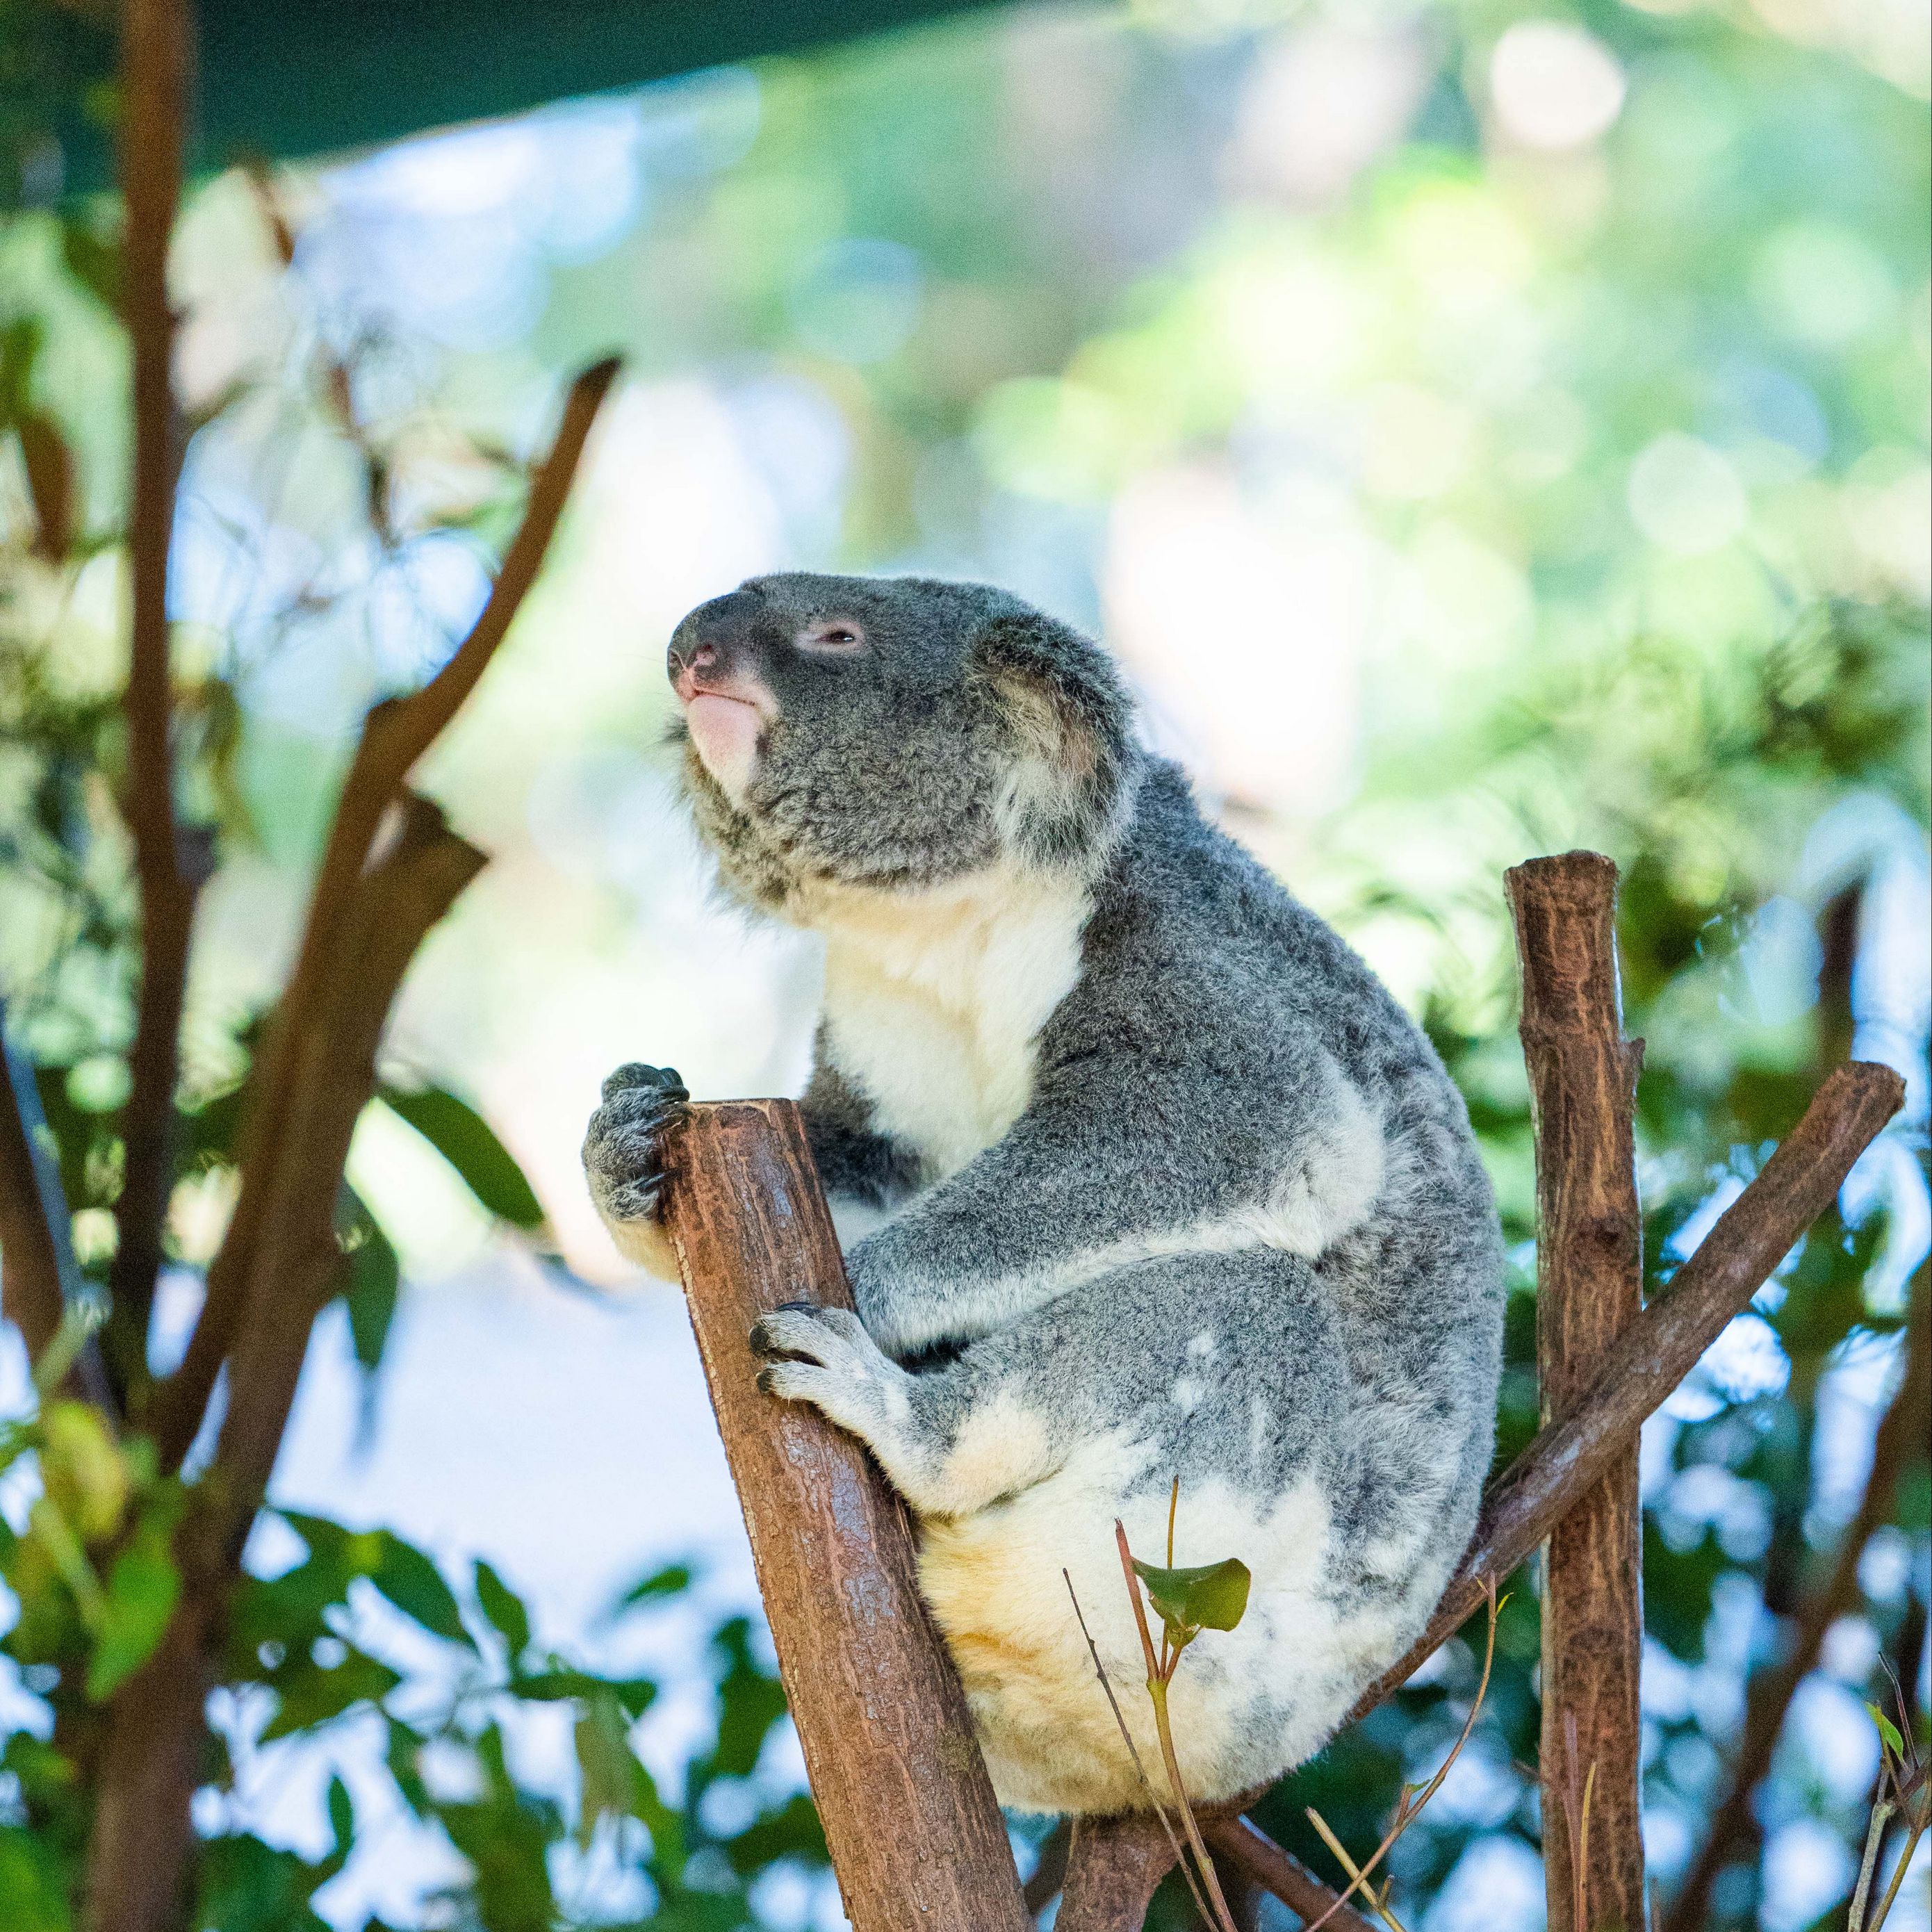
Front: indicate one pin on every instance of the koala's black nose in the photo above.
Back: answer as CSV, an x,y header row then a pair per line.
x,y
711,640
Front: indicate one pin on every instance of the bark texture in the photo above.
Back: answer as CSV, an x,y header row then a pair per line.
x,y
916,1837
1589,1249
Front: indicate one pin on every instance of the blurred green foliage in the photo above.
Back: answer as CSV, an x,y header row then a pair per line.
x,y
1622,441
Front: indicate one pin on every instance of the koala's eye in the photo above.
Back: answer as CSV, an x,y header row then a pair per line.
x,y
837,634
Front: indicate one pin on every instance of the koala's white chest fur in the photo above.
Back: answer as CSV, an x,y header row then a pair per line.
x,y
934,1000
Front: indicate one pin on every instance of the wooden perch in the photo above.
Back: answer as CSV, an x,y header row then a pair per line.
x,y
916,1837
1661,1347
1589,1264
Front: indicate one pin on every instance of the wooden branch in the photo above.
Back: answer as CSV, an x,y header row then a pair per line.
x,y
916,1837
1049,1872
1244,1844
295,1265
1900,1437
395,735
155,36
1114,1866
1661,1347
33,1287
39,1276
138,1851
1589,1251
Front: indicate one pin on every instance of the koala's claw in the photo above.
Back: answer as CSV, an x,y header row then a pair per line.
x,y
635,1076
623,1147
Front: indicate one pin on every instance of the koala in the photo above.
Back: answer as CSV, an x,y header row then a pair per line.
x,y
1163,1184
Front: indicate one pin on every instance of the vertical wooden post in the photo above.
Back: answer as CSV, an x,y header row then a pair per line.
x,y
915,1835
1582,1075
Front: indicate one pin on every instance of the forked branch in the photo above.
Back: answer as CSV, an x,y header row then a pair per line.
x,y
1662,1346
394,735
141,1833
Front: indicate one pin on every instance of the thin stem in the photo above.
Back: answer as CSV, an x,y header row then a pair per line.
x,y
1881,1817
1899,1871
1410,1804
1157,1683
1379,1906
1127,1738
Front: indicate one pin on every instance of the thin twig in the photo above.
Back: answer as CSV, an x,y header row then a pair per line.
x,y
1127,1738
1158,1673
1898,1873
1356,1877
1245,1846
1409,1806
39,1279
1881,1817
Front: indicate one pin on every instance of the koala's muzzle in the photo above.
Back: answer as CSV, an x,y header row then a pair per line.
x,y
713,665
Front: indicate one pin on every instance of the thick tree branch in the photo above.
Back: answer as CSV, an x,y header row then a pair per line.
x,y
155,36
1589,1258
1901,1438
1114,1866
138,1852
910,1818
395,735
1661,1347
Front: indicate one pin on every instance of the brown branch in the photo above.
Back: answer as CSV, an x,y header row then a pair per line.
x,y
33,1293
155,53
1114,1866
1660,1348
915,1835
38,1276
1900,1437
1589,1258
1243,1844
1049,1871
138,1852
395,734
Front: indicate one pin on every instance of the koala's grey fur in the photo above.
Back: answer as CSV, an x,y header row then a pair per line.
x,y
1174,1188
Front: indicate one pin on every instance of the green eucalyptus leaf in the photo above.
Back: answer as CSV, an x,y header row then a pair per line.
x,y
413,1583
1887,1730
142,1589
603,1762
373,1283
504,1609
314,1693
466,1140
1214,1596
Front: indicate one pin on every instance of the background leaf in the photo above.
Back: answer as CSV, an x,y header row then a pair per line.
x,y
466,1140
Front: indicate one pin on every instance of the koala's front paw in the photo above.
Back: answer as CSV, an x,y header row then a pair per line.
x,y
829,1360
623,1147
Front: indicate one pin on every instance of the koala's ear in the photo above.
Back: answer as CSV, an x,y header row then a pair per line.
x,y
1066,724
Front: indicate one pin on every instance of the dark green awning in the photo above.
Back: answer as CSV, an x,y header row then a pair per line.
x,y
283,79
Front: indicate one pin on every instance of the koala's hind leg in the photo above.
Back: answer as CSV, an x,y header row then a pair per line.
x,y
949,1440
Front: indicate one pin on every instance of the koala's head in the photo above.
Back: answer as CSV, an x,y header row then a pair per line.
x,y
892,733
